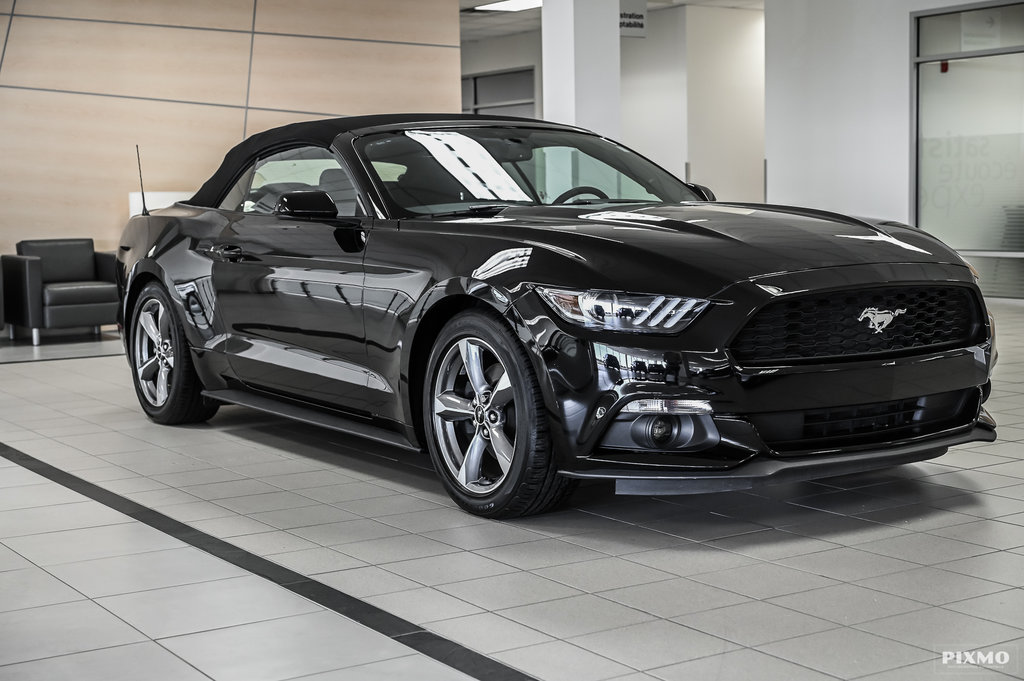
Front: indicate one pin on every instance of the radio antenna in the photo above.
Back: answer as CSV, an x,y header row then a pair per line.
x,y
142,190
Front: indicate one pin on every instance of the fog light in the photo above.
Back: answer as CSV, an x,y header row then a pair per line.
x,y
661,433
660,430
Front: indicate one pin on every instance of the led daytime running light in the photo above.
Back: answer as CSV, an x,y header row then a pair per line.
x,y
660,406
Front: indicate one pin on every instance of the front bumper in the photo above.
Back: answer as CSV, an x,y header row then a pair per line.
x,y
771,470
589,378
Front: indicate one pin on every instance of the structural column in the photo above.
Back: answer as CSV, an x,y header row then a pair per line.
x,y
581,72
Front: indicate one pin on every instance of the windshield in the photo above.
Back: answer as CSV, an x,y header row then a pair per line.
x,y
473,169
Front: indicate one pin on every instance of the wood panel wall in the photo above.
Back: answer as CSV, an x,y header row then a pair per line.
x,y
83,82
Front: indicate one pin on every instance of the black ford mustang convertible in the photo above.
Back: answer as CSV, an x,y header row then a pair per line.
x,y
534,304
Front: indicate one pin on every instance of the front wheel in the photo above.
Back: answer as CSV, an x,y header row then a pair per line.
x,y
486,425
165,380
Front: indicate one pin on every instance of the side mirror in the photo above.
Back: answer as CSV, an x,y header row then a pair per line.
x,y
705,192
307,205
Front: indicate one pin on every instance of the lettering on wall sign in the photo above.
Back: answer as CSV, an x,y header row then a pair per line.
x,y
633,18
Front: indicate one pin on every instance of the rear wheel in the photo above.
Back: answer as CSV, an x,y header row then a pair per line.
x,y
165,379
486,425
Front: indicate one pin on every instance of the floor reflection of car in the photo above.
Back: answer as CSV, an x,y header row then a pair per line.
x,y
533,305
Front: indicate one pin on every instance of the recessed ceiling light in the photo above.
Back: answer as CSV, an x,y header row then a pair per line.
x,y
509,6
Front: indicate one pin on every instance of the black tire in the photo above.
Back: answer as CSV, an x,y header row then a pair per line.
x,y
507,417
163,374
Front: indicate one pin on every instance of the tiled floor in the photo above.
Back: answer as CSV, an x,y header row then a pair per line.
x,y
63,346
871,576
89,593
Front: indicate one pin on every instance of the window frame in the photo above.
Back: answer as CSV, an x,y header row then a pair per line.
x,y
249,173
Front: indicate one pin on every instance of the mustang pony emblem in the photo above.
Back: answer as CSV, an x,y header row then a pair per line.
x,y
879,319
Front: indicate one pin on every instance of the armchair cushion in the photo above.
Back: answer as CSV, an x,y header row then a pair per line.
x,y
79,293
62,259
66,316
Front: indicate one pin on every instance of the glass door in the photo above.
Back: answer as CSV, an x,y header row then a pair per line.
x,y
970,138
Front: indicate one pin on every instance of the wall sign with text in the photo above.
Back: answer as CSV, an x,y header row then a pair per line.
x,y
633,18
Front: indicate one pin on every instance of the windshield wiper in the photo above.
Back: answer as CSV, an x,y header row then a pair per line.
x,y
481,209
589,202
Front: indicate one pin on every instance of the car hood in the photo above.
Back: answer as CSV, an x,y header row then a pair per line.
x,y
707,246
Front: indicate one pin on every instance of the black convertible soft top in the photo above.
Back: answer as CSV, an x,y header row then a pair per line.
x,y
319,133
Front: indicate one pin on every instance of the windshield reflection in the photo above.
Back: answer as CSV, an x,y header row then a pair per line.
x,y
469,170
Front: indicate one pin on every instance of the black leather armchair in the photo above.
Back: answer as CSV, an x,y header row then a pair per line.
x,y
59,284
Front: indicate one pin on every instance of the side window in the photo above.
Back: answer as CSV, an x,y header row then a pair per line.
x,y
302,168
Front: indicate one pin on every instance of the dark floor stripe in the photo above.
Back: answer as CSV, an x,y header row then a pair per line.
x,y
58,359
402,631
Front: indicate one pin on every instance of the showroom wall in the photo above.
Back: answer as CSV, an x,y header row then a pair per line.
x,y
838,104
82,82
654,116
692,91
725,100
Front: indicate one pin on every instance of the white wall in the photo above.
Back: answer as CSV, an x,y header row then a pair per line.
x,y
838,104
654,90
653,80
725,100
580,43
506,53
692,90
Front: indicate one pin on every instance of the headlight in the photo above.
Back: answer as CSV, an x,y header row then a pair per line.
x,y
630,312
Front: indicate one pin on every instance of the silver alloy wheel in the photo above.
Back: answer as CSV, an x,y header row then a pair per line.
x,y
475,415
153,352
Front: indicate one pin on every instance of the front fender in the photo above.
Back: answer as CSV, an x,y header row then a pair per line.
x,y
427,317
180,271
543,341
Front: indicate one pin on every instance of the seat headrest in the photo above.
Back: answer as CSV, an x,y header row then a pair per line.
x,y
334,178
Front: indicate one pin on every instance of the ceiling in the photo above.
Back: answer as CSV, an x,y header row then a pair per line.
x,y
477,25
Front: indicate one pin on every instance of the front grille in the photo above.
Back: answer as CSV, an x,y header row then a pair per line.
x,y
865,424
834,325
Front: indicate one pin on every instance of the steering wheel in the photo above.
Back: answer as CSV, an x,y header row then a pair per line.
x,y
577,191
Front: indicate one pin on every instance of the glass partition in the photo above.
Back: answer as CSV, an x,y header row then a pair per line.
x,y
970,138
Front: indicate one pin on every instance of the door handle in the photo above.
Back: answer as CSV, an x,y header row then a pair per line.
x,y
226,252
